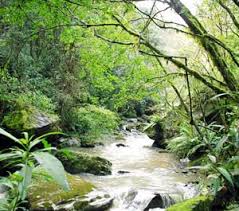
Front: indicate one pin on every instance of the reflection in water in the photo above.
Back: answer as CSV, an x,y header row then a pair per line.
x,y
147,172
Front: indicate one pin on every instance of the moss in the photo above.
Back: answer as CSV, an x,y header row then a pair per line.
x,y
44,192
27,119
19,120
199,203
75,162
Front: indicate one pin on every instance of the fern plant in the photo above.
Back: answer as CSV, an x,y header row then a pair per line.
x,y
26,156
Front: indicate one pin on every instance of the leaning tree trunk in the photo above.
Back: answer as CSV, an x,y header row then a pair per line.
x,y
200,32
236,2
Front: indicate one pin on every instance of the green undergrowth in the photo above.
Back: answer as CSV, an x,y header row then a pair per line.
x,y
199,203
92,122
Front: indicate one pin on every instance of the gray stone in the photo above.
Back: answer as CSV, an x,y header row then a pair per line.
x,y
70,142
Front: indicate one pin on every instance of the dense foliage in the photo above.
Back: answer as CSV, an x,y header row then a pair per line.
x,y
87,63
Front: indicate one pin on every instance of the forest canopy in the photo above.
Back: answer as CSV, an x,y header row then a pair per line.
x,y
89,65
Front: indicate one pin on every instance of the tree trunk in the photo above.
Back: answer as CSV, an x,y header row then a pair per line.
x,y
213,51
236,2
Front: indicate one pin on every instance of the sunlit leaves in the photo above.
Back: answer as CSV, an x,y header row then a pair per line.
x,y
53,167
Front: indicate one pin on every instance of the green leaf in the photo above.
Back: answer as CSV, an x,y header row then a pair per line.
x,y
226,175
49,134
5,133
53,167
41,139
26,173
11,155
234,158
220,144
212,158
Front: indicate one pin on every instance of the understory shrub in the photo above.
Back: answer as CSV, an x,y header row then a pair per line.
x,y
91,122
36,99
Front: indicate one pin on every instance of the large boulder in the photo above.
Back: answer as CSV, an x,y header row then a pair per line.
x,y
30,119
159,201
198,203
156,133
47,195
162,128
76,162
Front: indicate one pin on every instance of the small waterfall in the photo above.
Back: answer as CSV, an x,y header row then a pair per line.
x,y
142,200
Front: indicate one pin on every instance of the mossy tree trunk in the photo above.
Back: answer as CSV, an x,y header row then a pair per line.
x,y
201,34
236,2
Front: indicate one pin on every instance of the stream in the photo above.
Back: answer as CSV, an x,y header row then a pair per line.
x,y
139,173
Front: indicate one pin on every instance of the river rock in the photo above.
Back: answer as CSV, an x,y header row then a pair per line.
x,y
46,194
98,201
69,142
76,162
156,133
159,201
94,201
121,145
123,172
91,144
30,119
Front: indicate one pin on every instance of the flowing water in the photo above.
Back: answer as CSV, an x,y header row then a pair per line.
x,y
144,173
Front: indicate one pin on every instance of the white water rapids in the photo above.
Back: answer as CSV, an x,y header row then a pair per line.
x,y
145,173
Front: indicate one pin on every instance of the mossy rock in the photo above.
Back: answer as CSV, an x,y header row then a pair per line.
x,y
199,203
28,119
76,162
45,193
156,133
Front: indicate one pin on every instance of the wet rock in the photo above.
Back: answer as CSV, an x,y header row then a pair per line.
x,y
156,133
85,144
29,119
162,150
70,142
159,201
130,195
98,201
46,194
131,124
140,119
123,172
130,127
185,171
94,201
184,162
119,136
132,120
76,162
121,145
